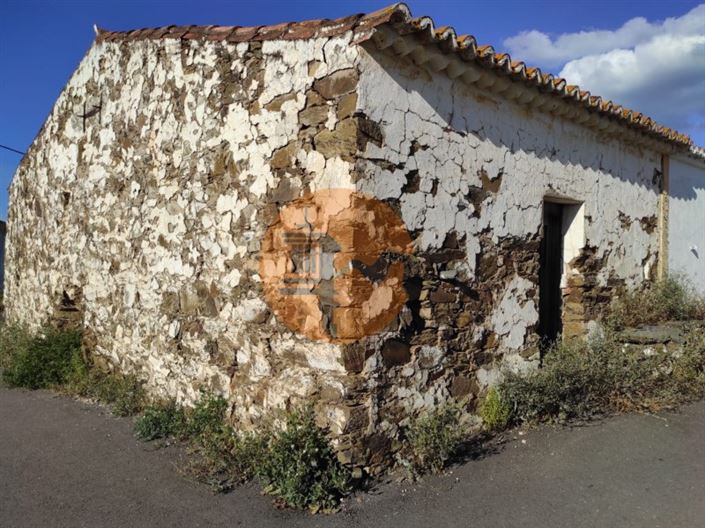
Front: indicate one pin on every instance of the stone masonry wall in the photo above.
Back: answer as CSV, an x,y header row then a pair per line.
x,y
140,207
468,171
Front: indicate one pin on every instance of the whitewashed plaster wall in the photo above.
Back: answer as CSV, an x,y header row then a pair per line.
x,y
686,220
455,135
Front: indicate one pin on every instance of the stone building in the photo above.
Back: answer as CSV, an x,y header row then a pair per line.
x,y
145,207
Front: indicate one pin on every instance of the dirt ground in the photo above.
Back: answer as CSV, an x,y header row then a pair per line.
x,y
66,463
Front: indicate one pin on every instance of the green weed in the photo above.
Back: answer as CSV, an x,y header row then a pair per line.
x,y
495,411
39,361
434,437
668,299
296,463
161,420
582,379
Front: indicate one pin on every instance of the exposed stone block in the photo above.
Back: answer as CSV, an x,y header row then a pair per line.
x,y
314,115
340,142
337,83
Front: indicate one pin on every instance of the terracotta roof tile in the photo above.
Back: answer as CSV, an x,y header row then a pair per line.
x,y
273,32
242,34
303,30
445,38
174,32
161,32
338,26
220,32
195,33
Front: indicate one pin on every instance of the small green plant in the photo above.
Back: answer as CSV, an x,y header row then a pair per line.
x,y
207,416
576,380
14,341
223,459
434,437
296,463
495,411
41,361
219,457
161,420
53,358
687,379
79,380
123,392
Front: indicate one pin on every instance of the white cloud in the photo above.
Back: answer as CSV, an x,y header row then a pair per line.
x,y
664,78
657,68
537,47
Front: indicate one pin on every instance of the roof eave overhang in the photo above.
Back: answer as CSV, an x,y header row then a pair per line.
x,y
439,57
440,49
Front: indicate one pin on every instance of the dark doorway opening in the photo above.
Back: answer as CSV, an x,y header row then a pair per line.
x,y
550,273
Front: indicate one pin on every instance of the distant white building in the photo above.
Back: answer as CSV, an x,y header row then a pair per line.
x,y
686,217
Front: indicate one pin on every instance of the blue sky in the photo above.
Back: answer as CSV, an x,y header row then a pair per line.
x,y
646,54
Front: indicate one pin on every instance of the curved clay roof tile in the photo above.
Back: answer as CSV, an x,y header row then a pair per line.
x,y
398,16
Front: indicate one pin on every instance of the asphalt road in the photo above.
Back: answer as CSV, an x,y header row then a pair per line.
x,y
66,463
